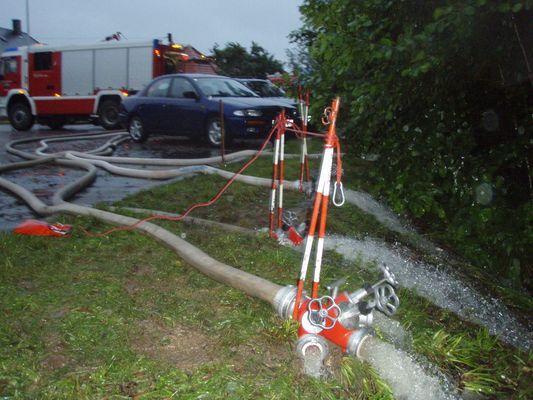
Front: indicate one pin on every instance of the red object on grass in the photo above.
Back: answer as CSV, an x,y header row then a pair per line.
x,y
35,227
295,237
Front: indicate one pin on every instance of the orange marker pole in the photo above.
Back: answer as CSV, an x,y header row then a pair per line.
x,y
307,253
325,177
273,187
319,204
281,168
306,160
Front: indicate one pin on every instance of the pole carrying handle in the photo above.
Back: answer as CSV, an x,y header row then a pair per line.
x,y
341,192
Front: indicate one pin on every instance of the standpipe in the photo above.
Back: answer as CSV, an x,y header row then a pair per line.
x,y
342,319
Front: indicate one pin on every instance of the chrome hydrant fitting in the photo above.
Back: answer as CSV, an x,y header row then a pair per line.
x,y
344,318
356,340
311,342
284,301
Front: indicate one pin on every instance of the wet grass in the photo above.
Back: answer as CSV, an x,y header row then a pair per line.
x,y
115,317
123,317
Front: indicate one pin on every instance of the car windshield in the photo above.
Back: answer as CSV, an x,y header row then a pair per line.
x,y
219,87
265,89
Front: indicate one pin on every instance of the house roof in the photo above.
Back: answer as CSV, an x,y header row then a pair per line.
x,y
9,39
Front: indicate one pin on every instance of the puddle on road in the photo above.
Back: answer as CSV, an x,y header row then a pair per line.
x,y
178,147
45,180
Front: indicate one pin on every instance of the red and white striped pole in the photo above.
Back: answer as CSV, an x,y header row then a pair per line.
x,y
304,160
326,172
274,182
281,169
320,205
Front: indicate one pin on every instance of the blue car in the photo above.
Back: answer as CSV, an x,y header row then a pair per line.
x,y
189,104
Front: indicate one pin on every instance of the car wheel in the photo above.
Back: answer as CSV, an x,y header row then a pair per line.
x,y
213,133
136,129
108,114
20,117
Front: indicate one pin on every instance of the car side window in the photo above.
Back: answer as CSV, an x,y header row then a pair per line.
x,y
181,89
159,88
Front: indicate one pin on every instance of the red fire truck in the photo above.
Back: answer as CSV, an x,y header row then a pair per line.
x,y
55,85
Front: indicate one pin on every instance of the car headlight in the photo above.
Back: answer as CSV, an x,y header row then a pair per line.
x,y
248,113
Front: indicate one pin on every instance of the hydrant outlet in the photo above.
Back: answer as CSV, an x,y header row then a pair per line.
x,y
356,341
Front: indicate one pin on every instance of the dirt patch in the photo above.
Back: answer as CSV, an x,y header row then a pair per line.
x,y
185,348
26,285
137,283
143,270
132,286
55,349
262,355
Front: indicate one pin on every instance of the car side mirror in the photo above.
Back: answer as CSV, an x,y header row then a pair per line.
x,y
190,95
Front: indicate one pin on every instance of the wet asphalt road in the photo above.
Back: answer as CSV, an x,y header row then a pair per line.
x,y
45,180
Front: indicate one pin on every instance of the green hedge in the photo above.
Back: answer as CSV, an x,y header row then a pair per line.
x,y
441,92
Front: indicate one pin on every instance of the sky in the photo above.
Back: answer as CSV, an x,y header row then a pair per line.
x,y
200,23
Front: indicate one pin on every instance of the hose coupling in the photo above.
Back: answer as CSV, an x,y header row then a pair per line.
x,y
356,341
284,301
312,345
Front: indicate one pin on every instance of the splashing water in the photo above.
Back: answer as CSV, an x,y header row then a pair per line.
x,y
408,379
312,363
438,286
367,204
393,331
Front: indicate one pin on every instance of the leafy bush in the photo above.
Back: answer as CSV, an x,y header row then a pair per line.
x,y
235,60
440,90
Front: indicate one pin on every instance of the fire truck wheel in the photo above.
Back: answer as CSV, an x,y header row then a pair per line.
x,y
136,129
108,114
213,133
20,117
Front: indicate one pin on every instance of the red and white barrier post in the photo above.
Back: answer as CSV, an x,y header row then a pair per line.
x,y
320,205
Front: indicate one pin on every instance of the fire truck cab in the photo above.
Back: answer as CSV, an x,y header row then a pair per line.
x,y
56,85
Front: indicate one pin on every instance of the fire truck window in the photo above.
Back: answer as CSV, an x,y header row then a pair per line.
x,y
170,65
42,61
180,86
159,88
10,66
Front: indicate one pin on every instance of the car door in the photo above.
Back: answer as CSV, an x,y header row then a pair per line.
x,y
186,115
153,108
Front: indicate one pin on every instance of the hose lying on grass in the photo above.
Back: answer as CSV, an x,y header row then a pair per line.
x,y
248,283
244,281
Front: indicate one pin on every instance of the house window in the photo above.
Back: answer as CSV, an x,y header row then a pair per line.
x,y
42,61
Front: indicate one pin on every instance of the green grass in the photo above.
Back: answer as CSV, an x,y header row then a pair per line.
x,y
122,317
94,318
